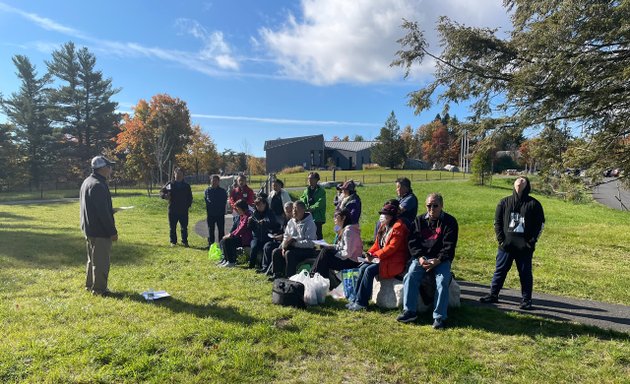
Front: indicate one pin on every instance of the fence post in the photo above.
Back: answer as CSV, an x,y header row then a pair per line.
x,y
363,178
440,175
380,178
426,176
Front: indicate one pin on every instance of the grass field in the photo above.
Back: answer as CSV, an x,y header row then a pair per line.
x,y
220,325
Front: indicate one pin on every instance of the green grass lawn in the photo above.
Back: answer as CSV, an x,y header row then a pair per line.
x,y
220,325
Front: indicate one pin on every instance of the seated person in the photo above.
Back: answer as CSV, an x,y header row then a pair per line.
x,y
276,241
350,200
432,245
386,258
239,237
346,251
297,242
262,222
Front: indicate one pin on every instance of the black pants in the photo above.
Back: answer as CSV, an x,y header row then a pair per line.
x,y
267,253
318,231
182,219
219,222
327,261
287,265
228,246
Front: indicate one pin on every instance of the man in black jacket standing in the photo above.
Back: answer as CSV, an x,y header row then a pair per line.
x,y
179,196
518,222
97,223
216,199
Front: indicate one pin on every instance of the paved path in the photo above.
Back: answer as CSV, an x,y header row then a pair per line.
x,y
606,193
602,315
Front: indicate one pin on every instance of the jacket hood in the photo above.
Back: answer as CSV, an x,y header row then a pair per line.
x,y
307,217
353,228
526,190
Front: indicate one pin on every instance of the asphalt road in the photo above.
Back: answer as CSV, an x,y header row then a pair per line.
x,y
608,193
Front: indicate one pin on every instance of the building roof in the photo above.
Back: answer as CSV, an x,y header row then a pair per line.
x,y
269,144
351,146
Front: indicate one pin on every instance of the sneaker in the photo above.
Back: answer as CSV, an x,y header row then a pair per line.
x,y
185,245
407,317
349,304
229,265
489,299
222,261
173,244
261,270
357,307
439,324
526,304
104,293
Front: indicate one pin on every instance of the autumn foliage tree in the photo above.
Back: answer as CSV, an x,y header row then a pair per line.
x,y
200,156
156,133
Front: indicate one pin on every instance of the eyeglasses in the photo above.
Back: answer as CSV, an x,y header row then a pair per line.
x,y
429,206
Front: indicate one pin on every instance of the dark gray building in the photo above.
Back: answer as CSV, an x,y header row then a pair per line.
x,y
349,154
313,152
307,151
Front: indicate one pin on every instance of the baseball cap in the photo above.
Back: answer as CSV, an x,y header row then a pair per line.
x,y
389,209
100,162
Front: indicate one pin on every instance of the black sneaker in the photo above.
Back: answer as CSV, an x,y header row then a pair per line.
x,y
526,304
439,324
489,299
185,245
407,317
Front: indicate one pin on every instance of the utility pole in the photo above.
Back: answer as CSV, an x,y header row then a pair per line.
x,y
464,158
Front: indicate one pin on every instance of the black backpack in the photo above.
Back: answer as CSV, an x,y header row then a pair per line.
x,y
287,292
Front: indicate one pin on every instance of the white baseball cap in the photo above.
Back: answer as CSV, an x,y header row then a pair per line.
x,y
100,162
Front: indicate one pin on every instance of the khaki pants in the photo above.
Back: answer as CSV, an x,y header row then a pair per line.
x,y
97,269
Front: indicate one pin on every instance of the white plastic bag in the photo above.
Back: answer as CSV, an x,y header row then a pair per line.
x,y
310,286
322,284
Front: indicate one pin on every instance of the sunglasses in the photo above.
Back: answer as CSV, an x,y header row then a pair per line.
x,y
432,205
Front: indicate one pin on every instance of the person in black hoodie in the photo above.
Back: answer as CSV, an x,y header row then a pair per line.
x,y
216,199
179,196
262,222
518,222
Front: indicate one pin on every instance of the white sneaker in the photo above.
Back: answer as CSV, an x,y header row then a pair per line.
x,y
229,265
220,263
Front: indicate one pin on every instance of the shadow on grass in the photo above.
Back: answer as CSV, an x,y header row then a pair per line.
x,y
44,250
227,313
13,216
506,323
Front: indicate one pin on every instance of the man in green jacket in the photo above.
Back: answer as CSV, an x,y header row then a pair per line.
x,y
314,197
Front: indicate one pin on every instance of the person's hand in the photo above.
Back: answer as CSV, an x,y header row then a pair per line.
x,y
115,237
284,250
226,237
369,257
432,264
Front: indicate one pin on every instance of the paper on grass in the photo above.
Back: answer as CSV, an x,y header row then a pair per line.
x,y
156,295
118,209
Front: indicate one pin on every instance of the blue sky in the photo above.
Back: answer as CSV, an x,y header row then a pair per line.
x,y
249,70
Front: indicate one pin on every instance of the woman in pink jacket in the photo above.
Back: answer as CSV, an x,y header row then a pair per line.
x,y
239,237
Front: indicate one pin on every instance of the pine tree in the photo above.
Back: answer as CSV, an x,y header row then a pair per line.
x,y
390,152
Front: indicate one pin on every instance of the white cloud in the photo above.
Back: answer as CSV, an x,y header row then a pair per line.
x,y
214,49
273,120
336,41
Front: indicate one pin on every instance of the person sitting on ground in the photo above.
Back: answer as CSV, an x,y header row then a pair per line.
x,y
276,241
297,243
277,198
346,251
432,245
386,258
240,237
351,201
262,222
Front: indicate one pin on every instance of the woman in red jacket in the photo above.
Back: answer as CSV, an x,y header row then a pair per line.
x,y
386,258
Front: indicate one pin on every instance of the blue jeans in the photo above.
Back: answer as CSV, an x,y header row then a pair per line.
x,y
363,290
256,245
412,281
524,267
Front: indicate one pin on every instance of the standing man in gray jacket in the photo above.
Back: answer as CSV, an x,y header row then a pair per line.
x,y
97,223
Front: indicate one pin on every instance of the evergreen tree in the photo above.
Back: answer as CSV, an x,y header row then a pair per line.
x,y
390,152
26,110
83,106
